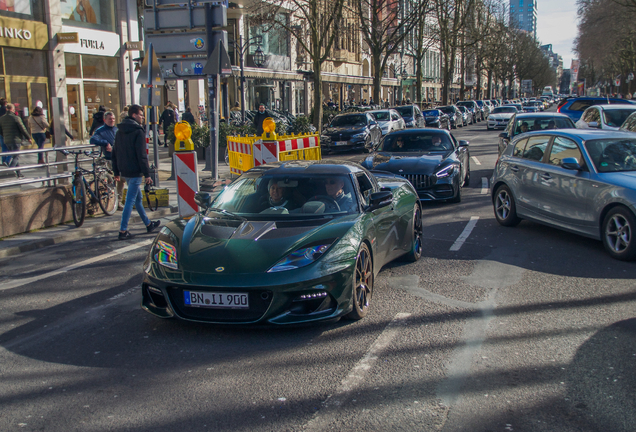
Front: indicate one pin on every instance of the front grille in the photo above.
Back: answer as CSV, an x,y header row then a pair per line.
x,y
419,181
259,301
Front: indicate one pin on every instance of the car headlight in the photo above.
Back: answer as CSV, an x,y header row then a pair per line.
x,y
360,135
301,257
445,172
165,251
409,123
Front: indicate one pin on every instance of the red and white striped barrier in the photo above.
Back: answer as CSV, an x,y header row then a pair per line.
x,y
265,152
298,143
185,167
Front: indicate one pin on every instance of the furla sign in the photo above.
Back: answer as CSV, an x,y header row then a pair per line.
x,y
95,42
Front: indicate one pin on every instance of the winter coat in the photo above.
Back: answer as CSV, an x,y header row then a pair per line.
x,y
258,122
102,137
167,119
129,153
98,121
189,117
12,130
38,124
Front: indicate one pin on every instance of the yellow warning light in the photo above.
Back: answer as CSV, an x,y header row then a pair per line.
x,y
269,125
182,134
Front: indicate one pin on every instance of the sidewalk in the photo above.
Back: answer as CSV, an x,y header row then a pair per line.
x,y
20,243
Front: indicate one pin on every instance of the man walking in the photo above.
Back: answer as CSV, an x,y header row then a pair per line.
x,y
104,137
260,116
13,131
6,160
167,119
131,162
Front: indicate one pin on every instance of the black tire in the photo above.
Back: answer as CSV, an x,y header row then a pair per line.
x,y
78,205
467,178
618,230
505,207
362,284
107,194
416,243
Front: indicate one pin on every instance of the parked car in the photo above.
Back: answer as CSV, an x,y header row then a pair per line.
x,y
630,124
500,116
454,115
467,116
474,109
244,259
412,116
389,120
605,116
574,107
526,122
484,108
355,131
578,180
436,164
437,119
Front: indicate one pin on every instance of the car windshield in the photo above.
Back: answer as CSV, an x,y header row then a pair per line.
x,y
505,110
527,124
289,196
382,115
466,104
613,155
431,113
447,110
421,142
405,111
349,120
616,117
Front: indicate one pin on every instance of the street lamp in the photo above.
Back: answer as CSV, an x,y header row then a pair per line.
x,y
242,48
259,57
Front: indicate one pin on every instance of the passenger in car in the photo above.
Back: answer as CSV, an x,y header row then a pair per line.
x,y
524,128
335,189
537,125
551,125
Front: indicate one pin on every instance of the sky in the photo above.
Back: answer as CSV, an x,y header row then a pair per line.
x,y
557,25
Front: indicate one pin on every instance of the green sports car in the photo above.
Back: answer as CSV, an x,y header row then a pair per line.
x,y
285,243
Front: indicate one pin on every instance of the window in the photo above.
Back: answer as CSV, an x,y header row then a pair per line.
x,y
94,14
23,9
72,65
564,148
535,148
25,62
96,67
521,145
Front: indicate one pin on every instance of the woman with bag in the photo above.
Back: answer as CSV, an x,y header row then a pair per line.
x,y
39,128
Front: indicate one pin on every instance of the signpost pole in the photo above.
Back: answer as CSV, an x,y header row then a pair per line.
x,y
211,153
241,54
150,120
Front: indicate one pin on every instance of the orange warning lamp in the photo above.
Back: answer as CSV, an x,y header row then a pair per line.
x,y
269,126
182,134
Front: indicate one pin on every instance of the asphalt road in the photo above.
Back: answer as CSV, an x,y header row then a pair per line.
x,y
494,329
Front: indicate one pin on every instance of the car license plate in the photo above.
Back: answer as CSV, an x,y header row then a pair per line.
x,y
342,143
216,300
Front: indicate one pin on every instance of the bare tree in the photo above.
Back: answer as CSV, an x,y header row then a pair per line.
x,y
314,24
422,37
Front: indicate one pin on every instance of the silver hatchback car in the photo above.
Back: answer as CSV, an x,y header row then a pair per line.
x,y
389,120
578,180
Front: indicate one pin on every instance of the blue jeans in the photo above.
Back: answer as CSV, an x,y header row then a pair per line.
x,y
133,197
39,140
5,159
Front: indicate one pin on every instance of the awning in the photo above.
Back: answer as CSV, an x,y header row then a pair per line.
x,y
267,74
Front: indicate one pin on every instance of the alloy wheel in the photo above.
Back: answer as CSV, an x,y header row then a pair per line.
x,y
618,233
502,204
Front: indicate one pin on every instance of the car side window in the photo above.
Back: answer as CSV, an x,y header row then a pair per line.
x,y
535,148
587,115
519,148
511,125
564,148
394,116
366,187
595,116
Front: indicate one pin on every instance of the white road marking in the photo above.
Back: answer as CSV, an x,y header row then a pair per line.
x,y
475,160
484,185
464,235
10,284
356,377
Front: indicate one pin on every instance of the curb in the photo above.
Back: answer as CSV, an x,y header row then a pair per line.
x,y
77,233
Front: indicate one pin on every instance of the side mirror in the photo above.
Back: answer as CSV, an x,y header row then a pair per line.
x,y
503,135
379,199
203,200
463,143
571,163
373,122
594,125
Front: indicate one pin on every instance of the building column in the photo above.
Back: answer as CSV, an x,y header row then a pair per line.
x,y
57,65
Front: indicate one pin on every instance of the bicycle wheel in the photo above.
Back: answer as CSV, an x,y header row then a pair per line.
x,y
79,201
107,194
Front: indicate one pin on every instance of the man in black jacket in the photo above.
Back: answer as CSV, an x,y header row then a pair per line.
x,y
130,161
260,116
188,116
167,119
13,131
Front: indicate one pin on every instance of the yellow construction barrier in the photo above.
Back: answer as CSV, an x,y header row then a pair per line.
x,y
248,152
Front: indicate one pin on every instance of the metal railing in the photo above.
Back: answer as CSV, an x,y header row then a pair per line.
x,y
52,176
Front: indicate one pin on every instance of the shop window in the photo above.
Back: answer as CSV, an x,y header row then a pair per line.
x,y
274,38
94,14
72,65
96,67
25,62
98,94
23,9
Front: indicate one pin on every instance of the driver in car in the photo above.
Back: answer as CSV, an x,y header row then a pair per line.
x,y
436,141
334,187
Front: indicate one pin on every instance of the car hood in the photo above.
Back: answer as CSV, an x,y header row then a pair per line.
x,y
251,246
501,116
626,179
344,129
407,163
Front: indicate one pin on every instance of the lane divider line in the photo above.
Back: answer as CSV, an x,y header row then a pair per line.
x,y
474,158
357,375
10,284
484,186
464,235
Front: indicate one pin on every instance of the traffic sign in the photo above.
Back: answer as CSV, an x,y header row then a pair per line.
x,y
219,62
179,43
182,68
150,72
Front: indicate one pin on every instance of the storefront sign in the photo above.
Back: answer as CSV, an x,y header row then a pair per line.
x,y
23,34
95,42
67,38
134,46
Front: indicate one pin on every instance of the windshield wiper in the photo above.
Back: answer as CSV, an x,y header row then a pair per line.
x,y
227,213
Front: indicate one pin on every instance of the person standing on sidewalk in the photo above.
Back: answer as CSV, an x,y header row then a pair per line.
x,y
105,138
6,160
131,162
38,127
166,120
13,131
259,117
188,116
98,120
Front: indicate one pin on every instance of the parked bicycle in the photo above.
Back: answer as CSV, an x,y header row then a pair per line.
x,y
100,186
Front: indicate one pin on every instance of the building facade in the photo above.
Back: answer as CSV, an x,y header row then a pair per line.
x,y
523,15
